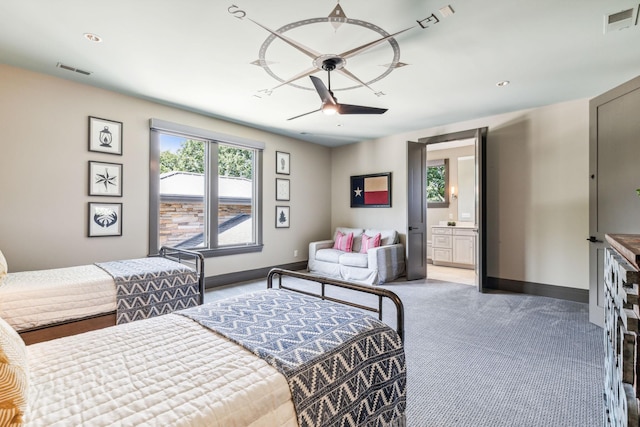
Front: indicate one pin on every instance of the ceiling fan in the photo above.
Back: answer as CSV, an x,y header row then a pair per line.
x,y
330,103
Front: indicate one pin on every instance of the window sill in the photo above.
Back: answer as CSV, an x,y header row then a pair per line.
x,y
234,250
437,204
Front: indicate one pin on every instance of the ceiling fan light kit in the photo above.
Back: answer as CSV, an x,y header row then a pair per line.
x,y
330,105
329,109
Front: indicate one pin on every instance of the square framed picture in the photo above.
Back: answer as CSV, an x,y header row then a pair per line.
x,y
371,191
283,161
282,217
105,219
282,189
105,179
105,136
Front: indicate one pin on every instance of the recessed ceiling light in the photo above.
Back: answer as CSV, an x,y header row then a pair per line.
x,y
93,37
503,83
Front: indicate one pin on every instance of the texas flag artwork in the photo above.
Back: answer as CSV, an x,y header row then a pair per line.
x,y
371,190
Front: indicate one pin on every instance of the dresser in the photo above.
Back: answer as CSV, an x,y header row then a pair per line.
x,y
453,246
621,314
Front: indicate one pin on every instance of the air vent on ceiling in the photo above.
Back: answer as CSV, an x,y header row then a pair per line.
x,y
70,68
619,20
446,11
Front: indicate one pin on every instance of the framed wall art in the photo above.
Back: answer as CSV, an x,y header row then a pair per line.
x,y
371,191
283,160
282,216
105,136
105,219
105,179
283,189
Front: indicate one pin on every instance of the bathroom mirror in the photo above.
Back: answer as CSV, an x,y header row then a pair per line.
x,y
466,189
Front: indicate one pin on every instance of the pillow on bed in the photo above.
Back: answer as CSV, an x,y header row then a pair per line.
x,y
3,267
343,241
13,376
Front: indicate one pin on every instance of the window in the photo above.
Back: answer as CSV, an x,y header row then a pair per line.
x,y
204,190
438,183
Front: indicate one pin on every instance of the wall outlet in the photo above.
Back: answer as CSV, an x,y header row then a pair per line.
x,y
295,253
450,216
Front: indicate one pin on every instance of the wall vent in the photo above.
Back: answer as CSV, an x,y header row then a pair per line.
x,y
619,20
70,68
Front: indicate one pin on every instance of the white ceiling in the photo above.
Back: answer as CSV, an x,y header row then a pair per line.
x,y
198,54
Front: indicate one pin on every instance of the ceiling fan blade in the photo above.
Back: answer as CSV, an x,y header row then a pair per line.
x,y
314,111
359,109
322,90
328,100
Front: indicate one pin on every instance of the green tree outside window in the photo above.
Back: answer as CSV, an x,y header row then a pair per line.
x,y
437,183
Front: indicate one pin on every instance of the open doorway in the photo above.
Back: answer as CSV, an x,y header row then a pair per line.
x,y
417,212
451,220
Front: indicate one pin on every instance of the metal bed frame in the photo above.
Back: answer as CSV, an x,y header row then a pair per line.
x,y
187,257
75,326
325,281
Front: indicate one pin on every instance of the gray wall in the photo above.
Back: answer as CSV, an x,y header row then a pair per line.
x,y
537,190
44,165
537,178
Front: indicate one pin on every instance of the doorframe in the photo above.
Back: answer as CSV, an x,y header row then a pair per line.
x,y
596,237
480,135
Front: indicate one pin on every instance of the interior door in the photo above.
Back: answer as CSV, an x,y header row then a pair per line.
x,y
416,211
481,245
614,153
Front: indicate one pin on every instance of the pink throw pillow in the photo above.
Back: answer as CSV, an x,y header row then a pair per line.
x,y
369,242
343,241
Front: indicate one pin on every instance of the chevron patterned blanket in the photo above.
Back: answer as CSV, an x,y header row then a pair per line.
x,y
148,287
344,367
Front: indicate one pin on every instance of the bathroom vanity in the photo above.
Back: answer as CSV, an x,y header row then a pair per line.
x,y
454,246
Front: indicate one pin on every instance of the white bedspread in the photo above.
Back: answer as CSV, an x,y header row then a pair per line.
x,y
164,371
55,295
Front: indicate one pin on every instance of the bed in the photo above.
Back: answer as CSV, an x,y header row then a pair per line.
x,y
269,358
47,304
